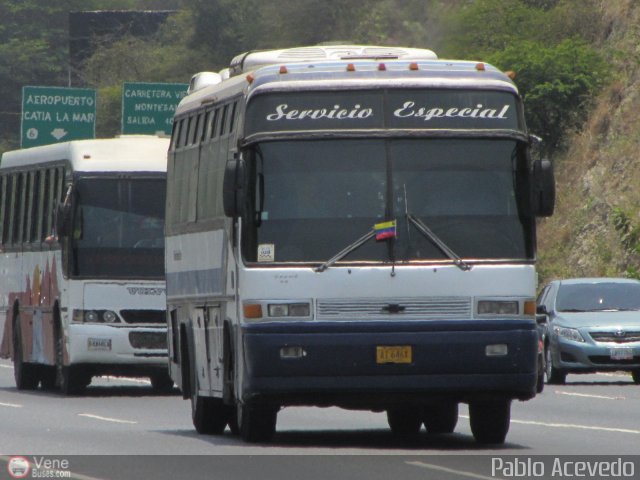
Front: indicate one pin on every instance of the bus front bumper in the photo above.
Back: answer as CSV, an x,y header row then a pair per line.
x,y
376,363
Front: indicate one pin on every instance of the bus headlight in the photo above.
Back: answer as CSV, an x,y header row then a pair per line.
x,y
95,316
289,310
497,307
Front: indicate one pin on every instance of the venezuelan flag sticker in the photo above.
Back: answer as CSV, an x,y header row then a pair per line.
x,y
385,230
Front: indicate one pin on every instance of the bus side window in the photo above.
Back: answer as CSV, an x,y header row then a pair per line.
x,y
232,118
19,208
223,119
38,212
184,124
175,134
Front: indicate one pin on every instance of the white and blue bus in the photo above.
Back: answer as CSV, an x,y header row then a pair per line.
x,y
353,226
82,289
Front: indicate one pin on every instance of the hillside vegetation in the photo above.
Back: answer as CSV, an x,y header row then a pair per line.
x,y
596,227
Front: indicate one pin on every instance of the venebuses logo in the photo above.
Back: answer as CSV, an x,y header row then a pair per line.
x,y
18,467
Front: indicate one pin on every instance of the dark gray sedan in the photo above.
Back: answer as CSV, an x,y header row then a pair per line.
x,y
593,324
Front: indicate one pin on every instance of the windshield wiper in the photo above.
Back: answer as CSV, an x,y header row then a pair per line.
x,y
426,231
346,251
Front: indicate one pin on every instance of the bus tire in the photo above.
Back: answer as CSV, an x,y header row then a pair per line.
x,y
161,382
404,421
441,418
25,374
68,378
256,423
489,421
209,415
48,377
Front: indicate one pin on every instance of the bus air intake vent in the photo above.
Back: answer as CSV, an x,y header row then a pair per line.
x,y
398,308
155,317
148,340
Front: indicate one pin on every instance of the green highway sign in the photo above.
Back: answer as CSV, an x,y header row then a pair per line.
x,y
148,108
57,114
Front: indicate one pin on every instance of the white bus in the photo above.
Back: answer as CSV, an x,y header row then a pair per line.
x,y
82,289
353,226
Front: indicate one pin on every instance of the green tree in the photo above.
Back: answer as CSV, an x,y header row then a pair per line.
x,y
558,84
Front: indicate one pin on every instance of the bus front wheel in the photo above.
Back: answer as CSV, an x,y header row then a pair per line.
x,y
490,420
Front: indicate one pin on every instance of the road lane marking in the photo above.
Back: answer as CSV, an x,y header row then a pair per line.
x,y
127,379
12,405
105,419
461,473
588,395
6,366
572,425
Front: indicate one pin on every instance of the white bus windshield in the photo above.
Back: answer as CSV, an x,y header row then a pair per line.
x,y
315,197
118,228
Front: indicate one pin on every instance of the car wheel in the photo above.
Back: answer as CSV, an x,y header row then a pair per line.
x,y
541,373
635,374
404,421
490,421
555,376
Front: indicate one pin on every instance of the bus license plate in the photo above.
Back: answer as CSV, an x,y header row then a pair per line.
x,y
621,353
394,354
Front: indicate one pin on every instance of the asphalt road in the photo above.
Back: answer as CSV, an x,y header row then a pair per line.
x,y
151,435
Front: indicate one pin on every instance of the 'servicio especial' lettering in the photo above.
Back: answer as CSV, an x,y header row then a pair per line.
x,y
480,111
335,113
408,110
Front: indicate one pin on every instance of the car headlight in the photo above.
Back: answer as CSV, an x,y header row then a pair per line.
x,y
256,311
569,334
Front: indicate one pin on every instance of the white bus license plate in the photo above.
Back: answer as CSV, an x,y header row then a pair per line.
x,y
621,353
394,354
99,344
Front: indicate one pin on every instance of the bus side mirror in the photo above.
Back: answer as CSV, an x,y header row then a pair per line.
x,y
544,188
63,219
233,197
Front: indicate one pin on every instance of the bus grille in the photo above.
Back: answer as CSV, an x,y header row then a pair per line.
x,y
144,316
397,308
148,340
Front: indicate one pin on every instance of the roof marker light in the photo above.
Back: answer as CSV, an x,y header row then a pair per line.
x,y
382,67
511,74
480,67
413,66
283,69
250,78
351,67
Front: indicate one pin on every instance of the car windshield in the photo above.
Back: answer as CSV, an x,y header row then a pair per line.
x,y
599,296
313,198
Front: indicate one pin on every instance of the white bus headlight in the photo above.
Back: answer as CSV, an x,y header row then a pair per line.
x,y
497,307
569,334
95,316
289,309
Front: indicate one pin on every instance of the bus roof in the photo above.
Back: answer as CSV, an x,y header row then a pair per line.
x,y
355,74
130,153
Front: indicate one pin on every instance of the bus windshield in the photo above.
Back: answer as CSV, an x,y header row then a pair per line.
x,y
118,228
313,198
